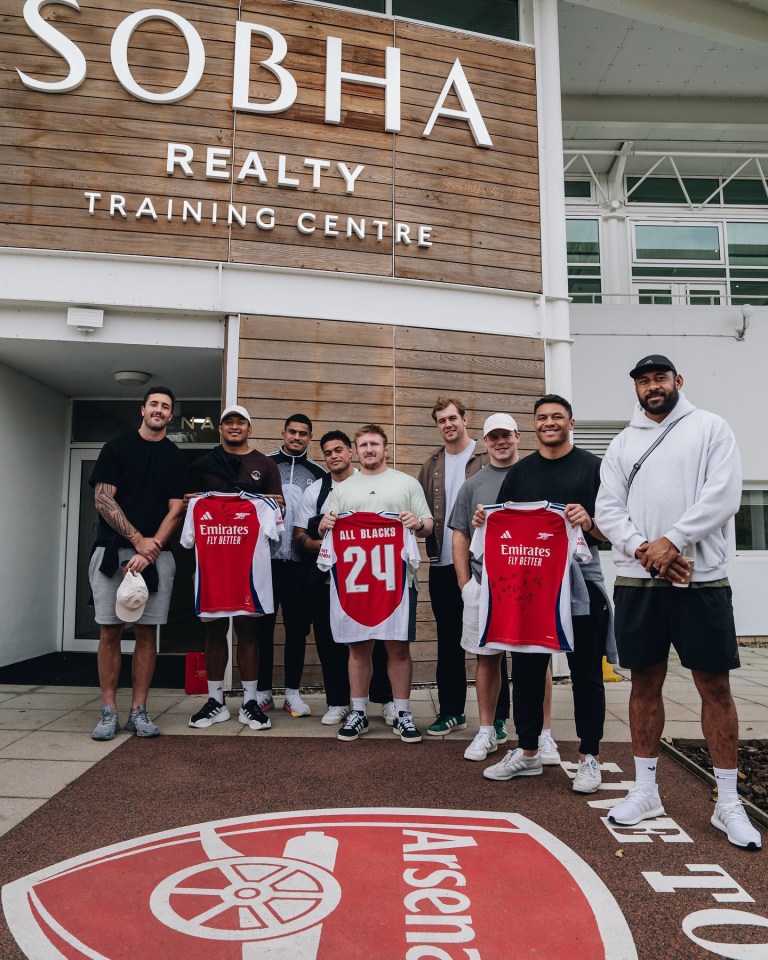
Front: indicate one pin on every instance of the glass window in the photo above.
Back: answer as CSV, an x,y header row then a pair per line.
x,y
497,18
655,295
743,291
752,521
578,189
194,421
583,244
374,6
747,244
747,192
668,190
677,242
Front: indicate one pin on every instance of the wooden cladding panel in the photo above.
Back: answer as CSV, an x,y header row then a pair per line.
x,y
482,204
344,374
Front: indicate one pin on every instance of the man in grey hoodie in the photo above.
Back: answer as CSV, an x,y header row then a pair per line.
x,y
668,522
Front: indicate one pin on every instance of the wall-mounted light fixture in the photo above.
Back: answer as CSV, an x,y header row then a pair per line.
x,y
746,313
86,319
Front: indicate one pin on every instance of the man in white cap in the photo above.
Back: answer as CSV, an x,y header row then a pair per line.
x,y
440,477
501,437
233,467
139,481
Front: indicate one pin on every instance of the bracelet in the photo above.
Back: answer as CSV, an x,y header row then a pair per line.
x,y
591,525
421,521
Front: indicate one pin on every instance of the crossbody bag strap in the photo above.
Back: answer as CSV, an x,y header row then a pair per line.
x,y
650,450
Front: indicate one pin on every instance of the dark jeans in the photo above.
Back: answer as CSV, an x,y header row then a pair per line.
x,y
529,672
286,595
334,656
451,674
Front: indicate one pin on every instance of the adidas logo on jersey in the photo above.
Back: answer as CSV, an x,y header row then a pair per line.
x,y
506,535
207,515
544,536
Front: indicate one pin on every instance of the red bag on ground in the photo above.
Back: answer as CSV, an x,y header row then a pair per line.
x,y
195,676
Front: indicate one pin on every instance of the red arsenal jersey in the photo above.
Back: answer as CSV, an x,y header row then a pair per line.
x,y
525,598
230,533
368,555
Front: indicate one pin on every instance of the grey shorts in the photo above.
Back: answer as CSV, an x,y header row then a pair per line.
x,y
105,589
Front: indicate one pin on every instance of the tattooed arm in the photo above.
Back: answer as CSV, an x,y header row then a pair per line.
x,y
146,547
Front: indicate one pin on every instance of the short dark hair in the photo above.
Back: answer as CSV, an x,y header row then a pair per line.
x,y
298,418
335,435
371,428
554,398
164,390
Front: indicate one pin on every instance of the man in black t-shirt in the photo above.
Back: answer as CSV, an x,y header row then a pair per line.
x,y
230,468
139,482
562,473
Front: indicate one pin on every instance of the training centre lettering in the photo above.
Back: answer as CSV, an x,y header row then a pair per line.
x,y
293,173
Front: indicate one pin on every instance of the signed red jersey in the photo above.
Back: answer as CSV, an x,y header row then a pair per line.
x,y
368,555
525,599
230,533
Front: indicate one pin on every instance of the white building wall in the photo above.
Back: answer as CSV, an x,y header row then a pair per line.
x,y
32,438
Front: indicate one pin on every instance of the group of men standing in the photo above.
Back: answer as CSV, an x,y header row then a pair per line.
x,y
663,535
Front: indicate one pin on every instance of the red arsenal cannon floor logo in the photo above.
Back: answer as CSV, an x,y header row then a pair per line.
x,y
366,884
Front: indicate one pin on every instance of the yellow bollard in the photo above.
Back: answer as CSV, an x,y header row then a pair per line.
x,y
609,674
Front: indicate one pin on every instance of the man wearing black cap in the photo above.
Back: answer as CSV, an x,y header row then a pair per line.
x,y
666,504
233,467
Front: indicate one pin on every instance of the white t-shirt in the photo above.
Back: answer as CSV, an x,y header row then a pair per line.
x,y
455,475
370,556
525,598
230,533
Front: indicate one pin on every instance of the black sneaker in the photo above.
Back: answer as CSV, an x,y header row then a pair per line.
x,y
354,726
211,712
405,728
253,716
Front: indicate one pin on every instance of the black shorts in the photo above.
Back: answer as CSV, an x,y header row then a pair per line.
x,y
696,621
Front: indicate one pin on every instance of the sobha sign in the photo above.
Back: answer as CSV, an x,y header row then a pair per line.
x,y
275,133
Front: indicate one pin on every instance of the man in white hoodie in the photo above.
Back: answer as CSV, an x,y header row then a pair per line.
x,y
657,514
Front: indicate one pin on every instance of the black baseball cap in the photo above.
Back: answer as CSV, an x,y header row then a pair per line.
x,y
653,362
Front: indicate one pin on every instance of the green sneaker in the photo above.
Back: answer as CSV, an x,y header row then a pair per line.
x,y
447,723
500,726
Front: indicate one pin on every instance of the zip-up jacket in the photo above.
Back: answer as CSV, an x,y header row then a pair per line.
x,y
296,474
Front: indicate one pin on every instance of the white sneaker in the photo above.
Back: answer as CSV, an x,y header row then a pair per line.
x,y
334,716
481,746
388,712
731,817
514,764
639,804
588,777
265,700
295,705
548,751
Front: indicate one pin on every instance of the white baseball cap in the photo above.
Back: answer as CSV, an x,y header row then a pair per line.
x,y
132,596
499,421
236,408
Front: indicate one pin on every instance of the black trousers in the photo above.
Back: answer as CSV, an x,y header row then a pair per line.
x,y
334,656
529,672
287,598
451,674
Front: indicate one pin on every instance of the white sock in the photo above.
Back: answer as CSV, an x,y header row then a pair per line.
x,y
489,731
290,693
249,690
546,732
360,704
216,690
727,781
645,772
402,706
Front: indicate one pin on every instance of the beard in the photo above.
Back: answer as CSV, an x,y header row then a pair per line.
x,y
667,403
